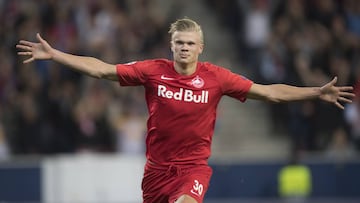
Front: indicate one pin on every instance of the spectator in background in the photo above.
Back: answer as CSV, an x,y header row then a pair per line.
x,y
352,16
94,132
4,149
29,133
256,31
352,114
340,149
131,131
272,68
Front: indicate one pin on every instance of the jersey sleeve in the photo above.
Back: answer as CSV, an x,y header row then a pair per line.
x,y
232,84
133,73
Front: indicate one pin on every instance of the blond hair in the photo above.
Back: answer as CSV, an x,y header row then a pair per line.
x,y
186,25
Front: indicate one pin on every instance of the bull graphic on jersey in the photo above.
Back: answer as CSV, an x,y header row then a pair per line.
x,y
197,82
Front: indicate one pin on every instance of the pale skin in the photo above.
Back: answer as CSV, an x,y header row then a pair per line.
x,y
186,47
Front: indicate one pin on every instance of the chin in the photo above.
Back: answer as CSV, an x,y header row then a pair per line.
x,y
182,60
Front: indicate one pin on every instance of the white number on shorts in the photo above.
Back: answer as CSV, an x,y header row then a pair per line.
x,y
197,188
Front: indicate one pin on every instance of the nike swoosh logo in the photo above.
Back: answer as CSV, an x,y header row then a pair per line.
x,y
163,77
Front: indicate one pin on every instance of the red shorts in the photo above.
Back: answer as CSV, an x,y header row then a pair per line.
x,y
165,184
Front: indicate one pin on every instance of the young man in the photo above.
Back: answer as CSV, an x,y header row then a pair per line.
x,y
182,96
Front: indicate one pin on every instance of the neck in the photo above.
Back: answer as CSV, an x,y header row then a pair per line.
x,y
185,68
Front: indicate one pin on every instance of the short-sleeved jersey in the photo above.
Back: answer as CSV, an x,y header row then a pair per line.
x,y
182,109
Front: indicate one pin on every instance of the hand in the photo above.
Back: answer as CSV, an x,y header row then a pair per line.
x,y
335,95
40,50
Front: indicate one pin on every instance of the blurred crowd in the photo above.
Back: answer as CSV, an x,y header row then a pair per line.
x,y
302,43
48,109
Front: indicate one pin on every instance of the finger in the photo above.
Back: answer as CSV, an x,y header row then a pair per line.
x,y
29,60
339,105
38,36
24,47
24,42
42,41
347,94
343,99
24,53
346,88
333,82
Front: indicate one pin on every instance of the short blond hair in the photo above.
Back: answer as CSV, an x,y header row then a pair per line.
x,y
186,25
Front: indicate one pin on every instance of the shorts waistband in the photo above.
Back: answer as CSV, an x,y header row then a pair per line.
x,y
171,168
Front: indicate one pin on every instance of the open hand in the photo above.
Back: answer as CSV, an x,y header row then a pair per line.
x,y
39,50
336,95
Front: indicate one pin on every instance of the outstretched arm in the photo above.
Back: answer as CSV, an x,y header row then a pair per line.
x,y
287,93
41,50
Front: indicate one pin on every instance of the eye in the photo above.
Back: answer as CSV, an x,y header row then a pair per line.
x,y
179,42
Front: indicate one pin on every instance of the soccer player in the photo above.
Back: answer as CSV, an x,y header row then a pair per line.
x,y
182,96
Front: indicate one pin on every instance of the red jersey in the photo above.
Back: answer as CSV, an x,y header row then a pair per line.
x,y
182,109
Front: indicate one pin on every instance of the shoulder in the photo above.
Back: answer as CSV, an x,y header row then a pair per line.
x,y
225,76
215,69
148,62
210,66
147,65
158,62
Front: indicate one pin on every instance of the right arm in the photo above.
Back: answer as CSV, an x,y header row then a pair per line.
x,y
87,65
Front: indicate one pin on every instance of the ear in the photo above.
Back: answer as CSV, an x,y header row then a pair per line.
x,y
172,46
201,48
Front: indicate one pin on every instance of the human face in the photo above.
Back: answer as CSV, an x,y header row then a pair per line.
x,y
186,47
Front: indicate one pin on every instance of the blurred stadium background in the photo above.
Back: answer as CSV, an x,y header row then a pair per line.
x,y
65,137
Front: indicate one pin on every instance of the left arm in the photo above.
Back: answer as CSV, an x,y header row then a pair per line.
x,y
286,93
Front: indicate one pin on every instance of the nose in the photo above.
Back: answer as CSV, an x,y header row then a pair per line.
x,y
184,48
